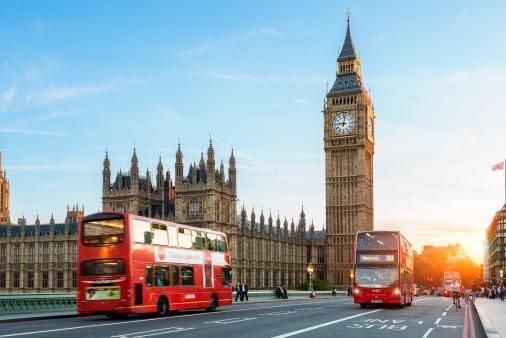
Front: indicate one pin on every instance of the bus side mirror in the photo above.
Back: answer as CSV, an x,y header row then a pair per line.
x,y
148,237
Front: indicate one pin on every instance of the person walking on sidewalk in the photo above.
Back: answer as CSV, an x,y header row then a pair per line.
x,y
238,291
244,288
501,292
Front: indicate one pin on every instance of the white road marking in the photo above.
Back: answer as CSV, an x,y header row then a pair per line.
x,y
449,326
162,332
166,330
444,313
277,313
420,322
293,333
230,320
437,321
152,319
427,333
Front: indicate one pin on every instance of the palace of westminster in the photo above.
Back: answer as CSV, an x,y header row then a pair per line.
x,y
266,251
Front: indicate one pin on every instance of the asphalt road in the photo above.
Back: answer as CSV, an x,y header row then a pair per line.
x,y
338,317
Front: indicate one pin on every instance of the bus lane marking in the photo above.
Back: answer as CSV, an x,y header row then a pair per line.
x,y
311,328
153,319
379,324
149,333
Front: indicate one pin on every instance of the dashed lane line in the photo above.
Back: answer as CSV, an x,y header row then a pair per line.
x,y
444,313
437,321
420,322
150,333
311,328
428,332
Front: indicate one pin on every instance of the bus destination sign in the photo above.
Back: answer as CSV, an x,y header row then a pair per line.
x,y
367,258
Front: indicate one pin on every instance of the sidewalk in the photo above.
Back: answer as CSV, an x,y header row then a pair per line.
x,y
21,317
491,313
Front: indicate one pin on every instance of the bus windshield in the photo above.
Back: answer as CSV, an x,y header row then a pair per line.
x,y
103,231
377,241
377,277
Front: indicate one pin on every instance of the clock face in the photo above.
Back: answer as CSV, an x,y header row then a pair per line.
x,y
343,123
369,126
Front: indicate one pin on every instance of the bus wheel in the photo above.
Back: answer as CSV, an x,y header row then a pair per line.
x,y
213,304
362,305
163,307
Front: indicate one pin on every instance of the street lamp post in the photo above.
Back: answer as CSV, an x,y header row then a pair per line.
x,y
351,283
310,272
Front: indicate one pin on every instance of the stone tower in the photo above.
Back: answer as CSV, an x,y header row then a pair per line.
x,y
136,194
4,195
348,116
205,198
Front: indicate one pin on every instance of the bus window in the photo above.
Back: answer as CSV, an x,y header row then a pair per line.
x,y
161,275
172,232
149,275
103,231
211,242
101,267
221,244
198,240
175,275
184,237
187,275
139,229
159,234
226,276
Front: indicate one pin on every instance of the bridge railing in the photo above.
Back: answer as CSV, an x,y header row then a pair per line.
x,y
37,302
53,302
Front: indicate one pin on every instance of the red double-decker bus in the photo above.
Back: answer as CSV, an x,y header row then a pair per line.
x,y
133,264
383,269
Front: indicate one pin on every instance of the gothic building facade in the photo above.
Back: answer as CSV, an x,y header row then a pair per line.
x,y
132,193
264,253
4,195
39,257
349,148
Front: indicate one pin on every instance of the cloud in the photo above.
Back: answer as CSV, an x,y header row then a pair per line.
x,y
35,132
51,167
63,93
6,97
52,116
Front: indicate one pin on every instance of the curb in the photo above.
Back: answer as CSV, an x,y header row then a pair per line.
x,y
488,327
27,319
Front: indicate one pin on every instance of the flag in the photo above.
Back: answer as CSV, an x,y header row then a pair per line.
x,y
498,166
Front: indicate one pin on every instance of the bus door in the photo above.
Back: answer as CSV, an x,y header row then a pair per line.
x,y
208,271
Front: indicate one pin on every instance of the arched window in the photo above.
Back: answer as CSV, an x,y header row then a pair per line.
x,y
194,207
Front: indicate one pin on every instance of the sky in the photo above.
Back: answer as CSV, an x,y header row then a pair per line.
x,y
80,77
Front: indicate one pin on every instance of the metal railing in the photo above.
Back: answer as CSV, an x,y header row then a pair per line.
x,y
37,302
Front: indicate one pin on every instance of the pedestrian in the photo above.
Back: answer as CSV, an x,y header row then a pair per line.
x,y
278,292
238,291
285,292
244,291
501,293
334,292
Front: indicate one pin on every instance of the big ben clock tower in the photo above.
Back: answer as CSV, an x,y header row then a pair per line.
x,y
349,149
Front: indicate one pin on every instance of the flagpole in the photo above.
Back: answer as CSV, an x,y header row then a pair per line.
x,y
504,165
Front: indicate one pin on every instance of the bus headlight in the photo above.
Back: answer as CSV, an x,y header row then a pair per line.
x,y
397,292
357,291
